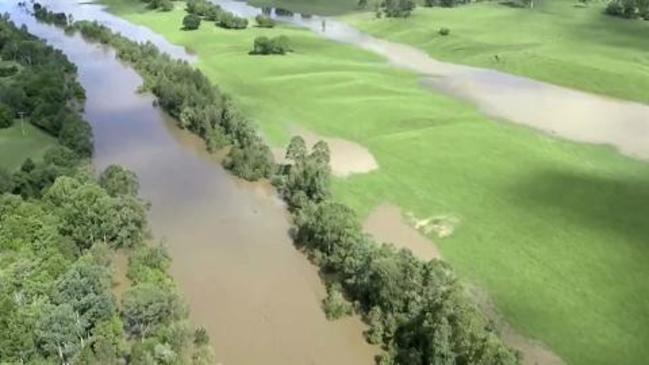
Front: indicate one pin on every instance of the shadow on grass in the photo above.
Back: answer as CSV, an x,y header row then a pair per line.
x,y
599,203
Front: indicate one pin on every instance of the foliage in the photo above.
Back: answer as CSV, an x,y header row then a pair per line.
x,y
164,5
45,89
118,181
215,13
186,94
264,21
334,305
191,22
6,116
270,46
444,31
397,8
628,8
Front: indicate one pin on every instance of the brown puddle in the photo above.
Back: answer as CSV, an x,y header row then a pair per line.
x,y
387,225
347,157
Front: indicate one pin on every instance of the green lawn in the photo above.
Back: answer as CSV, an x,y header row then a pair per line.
x,y
15,147
555,231
556,41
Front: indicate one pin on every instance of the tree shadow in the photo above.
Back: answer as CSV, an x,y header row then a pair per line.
x,y
619,205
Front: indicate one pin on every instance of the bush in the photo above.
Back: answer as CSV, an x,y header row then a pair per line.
x,y
6,71
335,306
628,8
191,22
228,20
444,31
264,21
269,46
6,116
397,8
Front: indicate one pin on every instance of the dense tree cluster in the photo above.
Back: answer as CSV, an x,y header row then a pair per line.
x,y
191,22
44,91
279,45
186,94
264,21
630,9
55,264
164,5
417,311
212,12
396,8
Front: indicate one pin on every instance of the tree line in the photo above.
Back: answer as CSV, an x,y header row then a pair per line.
x,y
203,9
417,311
197,105
43,90
630,9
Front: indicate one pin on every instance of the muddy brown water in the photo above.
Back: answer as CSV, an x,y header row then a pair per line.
x,y
258,297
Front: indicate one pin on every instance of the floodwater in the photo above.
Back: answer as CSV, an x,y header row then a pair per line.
x,y
567,113
258,296
387,224
346,157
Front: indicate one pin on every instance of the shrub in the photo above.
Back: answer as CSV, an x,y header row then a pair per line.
x,y
444,31
228,20
335,306
8,70
264,21
269,46
6,116
191,22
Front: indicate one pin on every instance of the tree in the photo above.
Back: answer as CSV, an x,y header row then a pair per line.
x,y
264,21
6,116
148,306
296,149
397,8
60,334
117,181
191,22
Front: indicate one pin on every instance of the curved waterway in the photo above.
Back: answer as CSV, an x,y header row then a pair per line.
x,y
258,297
567,113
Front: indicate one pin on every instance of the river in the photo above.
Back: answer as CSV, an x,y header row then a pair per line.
x,y
258,297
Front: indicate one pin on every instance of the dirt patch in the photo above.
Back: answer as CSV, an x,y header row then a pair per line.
x,y
387,224
347,157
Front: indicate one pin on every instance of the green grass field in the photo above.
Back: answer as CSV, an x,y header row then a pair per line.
x,y
15,147
555,231
556,42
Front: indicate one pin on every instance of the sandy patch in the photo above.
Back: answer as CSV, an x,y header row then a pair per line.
x,y
347,157
387,224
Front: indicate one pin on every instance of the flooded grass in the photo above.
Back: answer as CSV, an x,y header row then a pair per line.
x,y
577,47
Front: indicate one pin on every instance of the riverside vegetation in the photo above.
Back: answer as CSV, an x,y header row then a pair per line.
x,y
428,320
59,228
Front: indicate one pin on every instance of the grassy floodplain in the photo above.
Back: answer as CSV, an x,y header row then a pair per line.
x,y
556,41
555,231
15,146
